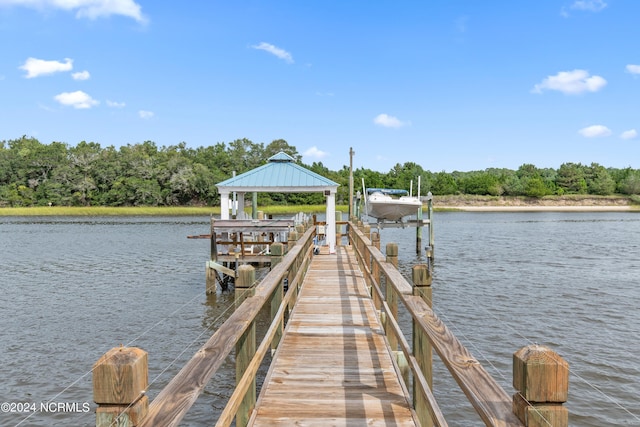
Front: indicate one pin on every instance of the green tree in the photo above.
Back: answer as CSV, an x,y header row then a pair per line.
x,y
571,178
599,181
278,145
444,184
630,183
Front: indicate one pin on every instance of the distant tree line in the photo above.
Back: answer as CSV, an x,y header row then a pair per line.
x,y
36,174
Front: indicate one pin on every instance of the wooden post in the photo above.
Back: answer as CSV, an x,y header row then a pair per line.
x,y
419,231
120,380
246,345
421,277
366,254
210,274
339,228
541,378
276,300
291,240
210,279
244,283
375,239
277,252
392,253
392,298
430,217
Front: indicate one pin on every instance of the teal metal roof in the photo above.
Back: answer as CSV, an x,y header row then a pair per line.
x,y
281,173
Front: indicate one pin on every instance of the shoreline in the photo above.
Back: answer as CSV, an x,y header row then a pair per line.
x,y
539,208
567,203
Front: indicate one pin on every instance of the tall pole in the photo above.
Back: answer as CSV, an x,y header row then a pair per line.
x,y
351,154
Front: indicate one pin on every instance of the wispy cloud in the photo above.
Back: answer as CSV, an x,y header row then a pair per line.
x,y
589,5
77,99
81,75
585,6
388,121
629,134
144,114
571,83
274,50
40,67
633,69
315,153
114,104
595,131
91,9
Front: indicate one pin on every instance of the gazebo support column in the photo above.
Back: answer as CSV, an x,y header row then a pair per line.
x,y
331,222
224,205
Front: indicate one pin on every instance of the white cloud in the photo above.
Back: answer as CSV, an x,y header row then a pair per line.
x,y
633,69
571,82
91,9
629,134
77,99
145,114
314,153
389,121
81,75
40,67
595,131
114,104
280,53
589,5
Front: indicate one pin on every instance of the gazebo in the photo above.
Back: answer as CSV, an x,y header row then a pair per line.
x,y
281,174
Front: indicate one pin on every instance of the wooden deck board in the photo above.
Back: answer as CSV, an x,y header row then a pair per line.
x,y
333,367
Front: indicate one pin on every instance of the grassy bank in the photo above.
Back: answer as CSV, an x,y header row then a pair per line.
x,y
440,203
567,200
151,210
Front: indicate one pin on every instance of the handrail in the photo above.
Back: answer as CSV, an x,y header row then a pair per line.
x,y
226,418
490,401
175,399
419,379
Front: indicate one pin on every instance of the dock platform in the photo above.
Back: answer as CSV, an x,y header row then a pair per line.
x,y
333,366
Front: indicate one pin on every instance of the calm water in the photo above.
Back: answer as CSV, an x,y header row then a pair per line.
x,y
75,287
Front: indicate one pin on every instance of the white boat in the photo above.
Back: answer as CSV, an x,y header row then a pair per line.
x,y
391,204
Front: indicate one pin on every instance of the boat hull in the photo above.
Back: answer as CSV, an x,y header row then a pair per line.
x,y
387,208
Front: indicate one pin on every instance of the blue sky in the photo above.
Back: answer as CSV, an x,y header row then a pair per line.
x,y
451,85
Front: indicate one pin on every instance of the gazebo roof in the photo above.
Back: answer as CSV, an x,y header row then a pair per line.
x,y
280,174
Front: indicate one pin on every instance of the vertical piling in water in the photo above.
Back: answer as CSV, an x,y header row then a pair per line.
x,y
246,345
422,279
391,297
541,378
431,250
120,381
210,274
419,231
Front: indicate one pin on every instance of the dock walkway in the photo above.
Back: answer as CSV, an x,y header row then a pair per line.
x,y
333,366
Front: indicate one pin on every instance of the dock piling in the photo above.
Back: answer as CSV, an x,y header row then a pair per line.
x,y
246,345
541,378
422,350
120,381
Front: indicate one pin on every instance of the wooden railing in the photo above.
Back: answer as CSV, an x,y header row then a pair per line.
x,y
172,403
490,401
540,375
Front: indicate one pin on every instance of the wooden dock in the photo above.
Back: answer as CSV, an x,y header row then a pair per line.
x,y
333,366
335,360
